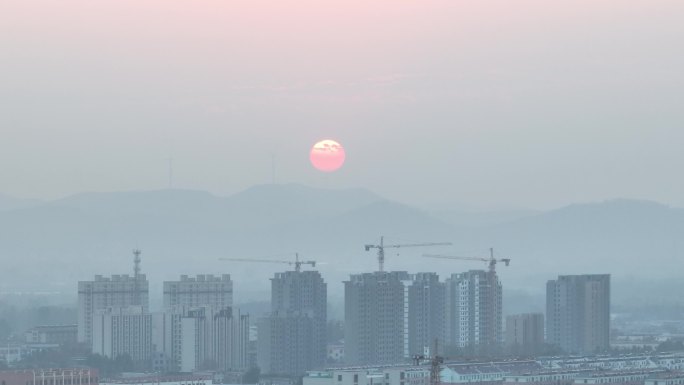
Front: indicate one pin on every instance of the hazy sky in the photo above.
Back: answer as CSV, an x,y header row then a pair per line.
x,y
517,103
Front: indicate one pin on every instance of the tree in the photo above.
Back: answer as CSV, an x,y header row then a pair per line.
x,y
670,345
5,329
49,358
251,376
109,367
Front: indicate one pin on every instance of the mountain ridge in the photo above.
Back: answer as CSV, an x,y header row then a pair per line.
x,y
186,231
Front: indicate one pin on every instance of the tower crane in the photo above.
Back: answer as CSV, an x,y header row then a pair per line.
x,y
491,260
297,263
382,246
435,362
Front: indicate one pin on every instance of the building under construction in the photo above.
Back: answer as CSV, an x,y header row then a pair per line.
x,y
292,337
474,309
474,313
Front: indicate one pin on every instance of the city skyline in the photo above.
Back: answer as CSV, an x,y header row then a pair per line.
x,y
299,192
200,329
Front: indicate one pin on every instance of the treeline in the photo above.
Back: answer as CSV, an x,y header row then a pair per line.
x,y
15,320
76,356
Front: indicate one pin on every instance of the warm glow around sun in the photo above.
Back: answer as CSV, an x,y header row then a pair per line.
x,y
327,155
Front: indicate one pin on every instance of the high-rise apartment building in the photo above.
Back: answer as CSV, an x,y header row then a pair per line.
x,y
284,346
119,331
426,302
166,339
525,333
214,339
199,338
376,318
474,312
202,290
102,293
578,313
292,339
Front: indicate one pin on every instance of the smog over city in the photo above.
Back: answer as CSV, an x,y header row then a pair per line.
x,y
341,193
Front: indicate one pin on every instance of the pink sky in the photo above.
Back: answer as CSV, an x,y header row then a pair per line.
x,y
535,93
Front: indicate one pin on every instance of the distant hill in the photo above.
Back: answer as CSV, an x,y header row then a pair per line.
x,y
11,203
624,237
187,231
50,246
480,218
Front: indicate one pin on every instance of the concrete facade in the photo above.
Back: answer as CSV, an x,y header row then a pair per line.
x,y
578,313
376,318
201,290
293,338
426,300
525,333
104,292
474,313
123,331
199,338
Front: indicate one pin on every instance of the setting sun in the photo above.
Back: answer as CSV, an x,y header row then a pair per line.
x,y
327,155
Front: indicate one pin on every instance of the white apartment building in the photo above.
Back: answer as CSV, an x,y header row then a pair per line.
x,y
200,338
474,311
123,331
106,292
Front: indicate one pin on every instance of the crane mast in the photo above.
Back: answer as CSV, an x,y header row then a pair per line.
x,y
381,249
435,361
